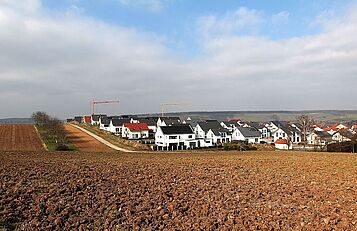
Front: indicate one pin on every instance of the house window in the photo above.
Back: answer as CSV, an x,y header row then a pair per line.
x,y
172,137
256,140
190,136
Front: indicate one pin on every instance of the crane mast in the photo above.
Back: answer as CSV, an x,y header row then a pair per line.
x,y
95,102
165,105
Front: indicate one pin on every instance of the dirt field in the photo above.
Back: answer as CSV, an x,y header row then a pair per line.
x,y
85,142
185,191
19,138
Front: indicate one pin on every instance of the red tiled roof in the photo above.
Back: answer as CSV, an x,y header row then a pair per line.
x,y
136,127
87,119
235,121
354,127
335,128
281,141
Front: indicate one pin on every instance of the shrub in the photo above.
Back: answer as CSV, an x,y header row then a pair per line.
x,y
62,147
239,146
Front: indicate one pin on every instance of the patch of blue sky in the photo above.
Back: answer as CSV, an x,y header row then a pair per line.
x,y
176,21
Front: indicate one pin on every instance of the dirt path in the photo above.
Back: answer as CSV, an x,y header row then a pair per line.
x,y
85,142
19,137
103,141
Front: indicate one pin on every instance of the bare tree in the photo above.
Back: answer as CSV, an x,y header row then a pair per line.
x,y
306,122
51,128
41,118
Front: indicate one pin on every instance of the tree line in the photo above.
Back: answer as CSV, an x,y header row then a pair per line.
x,y
51,130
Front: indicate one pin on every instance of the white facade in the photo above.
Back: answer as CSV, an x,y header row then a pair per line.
x,y
94,122
314,139
114,129
238,136
231,126
282,146
134,135
175,141
104,127
338,137
265,133
281,134
211,139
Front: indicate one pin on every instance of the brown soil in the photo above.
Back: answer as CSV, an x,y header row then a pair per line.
x,y
19,137
116,140
85,142
179,191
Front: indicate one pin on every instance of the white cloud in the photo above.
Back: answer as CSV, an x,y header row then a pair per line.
x,y
231,22
59,62
280,18
150,5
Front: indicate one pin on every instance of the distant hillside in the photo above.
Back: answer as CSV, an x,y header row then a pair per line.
x,y
264,116
16,121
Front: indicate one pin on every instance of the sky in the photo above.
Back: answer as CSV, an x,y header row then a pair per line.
x,y
56,56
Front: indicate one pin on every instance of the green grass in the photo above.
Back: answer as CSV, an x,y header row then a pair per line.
x,y
116,140
51,143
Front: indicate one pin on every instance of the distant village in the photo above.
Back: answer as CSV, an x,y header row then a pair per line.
x,y
174,133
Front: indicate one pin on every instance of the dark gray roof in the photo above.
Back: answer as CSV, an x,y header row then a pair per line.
x,y
323,134
229,124
104,120
78,118
279,123
213,125
287,128
97,117
256,125
120,122
249,132
209,124
171,120
114,117
192,123
177,129
129,116
148,121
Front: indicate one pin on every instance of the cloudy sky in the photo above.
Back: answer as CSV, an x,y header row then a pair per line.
x,y
205,54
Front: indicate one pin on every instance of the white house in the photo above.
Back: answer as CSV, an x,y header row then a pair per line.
x,y
175,137
151,122
116,125
319,138
247,134
230,126
318,128
273,126
282,144
287,132
104,123
168,121
95,119
264,131
135,131
354,128
341,136
211,133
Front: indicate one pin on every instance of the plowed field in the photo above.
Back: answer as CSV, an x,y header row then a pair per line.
x,y
184,191
85,142
19,138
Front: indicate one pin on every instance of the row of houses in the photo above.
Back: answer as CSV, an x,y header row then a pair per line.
x,y
172,133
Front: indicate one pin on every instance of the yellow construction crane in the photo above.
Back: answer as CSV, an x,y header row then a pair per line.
x,y
94,102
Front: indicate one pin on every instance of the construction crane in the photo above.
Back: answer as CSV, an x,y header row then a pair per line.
x,y
94,102
164,107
